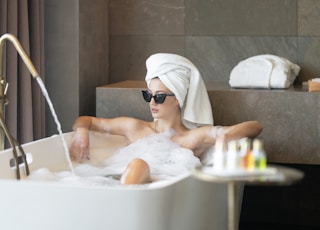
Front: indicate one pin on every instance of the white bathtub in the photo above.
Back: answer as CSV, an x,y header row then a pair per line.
x,y
182,203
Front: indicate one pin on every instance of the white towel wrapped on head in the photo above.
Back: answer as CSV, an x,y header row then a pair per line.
x,y
183,79
264,71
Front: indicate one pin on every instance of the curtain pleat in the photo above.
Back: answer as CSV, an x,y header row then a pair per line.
x,y
3,16
36,12
25,113
11,65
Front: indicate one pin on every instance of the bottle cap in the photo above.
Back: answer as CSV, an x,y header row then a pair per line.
x,y
257,144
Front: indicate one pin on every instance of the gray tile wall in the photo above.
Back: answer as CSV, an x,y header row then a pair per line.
x,y
76,57
215,35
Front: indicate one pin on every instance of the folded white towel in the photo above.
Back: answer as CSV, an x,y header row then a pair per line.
x,y
264,71
182,78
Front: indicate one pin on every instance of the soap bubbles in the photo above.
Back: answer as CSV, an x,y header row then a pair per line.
x,y
166,160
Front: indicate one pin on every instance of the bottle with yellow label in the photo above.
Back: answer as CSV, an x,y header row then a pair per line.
x,y
250,159
246,160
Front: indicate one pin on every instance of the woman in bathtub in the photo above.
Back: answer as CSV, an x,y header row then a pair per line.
x,y
178,101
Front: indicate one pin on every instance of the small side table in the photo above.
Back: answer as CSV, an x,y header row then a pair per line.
x,y
274,175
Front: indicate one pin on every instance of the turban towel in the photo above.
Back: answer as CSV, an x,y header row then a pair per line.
x,y
183,79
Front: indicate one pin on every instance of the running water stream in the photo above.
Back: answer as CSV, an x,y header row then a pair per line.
x,y
46,95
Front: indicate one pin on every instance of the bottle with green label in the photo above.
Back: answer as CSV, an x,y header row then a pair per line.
x,y
259,154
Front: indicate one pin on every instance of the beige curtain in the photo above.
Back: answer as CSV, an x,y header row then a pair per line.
x,y
25,113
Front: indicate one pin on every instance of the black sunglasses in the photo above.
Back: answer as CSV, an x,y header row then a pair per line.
x,y
158,98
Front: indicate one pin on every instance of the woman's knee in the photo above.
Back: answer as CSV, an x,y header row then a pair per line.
x,y
137,172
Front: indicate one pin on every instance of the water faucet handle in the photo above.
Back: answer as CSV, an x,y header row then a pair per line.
x,y
3,96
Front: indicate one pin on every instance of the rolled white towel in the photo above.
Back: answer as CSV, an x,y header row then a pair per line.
x,y
316,79
264,71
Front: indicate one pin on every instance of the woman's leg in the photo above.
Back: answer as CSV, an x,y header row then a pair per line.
x,y
137,172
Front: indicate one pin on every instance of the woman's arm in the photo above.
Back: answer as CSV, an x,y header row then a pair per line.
x,y
199,139
79,148
116,126
92,123
249,129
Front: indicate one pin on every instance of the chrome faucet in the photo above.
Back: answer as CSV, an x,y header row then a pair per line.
x,y
3,100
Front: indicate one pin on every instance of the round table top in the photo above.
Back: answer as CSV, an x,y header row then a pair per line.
x,y
272,175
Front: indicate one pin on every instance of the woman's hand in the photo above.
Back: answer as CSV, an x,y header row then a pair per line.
x,y
79,148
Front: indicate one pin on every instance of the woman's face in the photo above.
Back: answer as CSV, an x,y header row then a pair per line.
x,y
170,105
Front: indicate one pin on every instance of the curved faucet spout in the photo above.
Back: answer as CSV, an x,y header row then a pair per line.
x,y
13,39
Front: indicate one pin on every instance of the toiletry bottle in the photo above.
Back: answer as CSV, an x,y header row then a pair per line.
x,y
250,160
245,154
219,155
232,156
242,153
259,154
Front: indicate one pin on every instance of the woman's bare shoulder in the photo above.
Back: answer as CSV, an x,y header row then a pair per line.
x,y
133,121
134,128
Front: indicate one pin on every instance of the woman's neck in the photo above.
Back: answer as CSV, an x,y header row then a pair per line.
x,y
161,126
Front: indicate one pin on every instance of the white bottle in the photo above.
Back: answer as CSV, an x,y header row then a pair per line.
x,y
219,156
232,156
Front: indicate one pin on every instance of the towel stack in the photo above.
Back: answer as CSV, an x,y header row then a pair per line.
x,y
264,71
